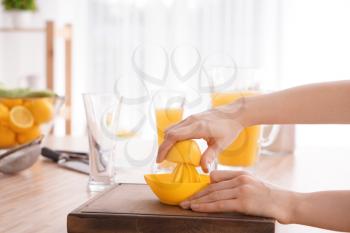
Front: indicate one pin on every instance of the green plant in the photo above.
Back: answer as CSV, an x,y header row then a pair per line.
x,y
19,5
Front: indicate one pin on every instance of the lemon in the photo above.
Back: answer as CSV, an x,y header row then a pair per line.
x,y
7,137
10,103
41,109
4,112
185,152
21,119
29,135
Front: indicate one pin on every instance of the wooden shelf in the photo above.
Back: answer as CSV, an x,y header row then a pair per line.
x,y
51,32
20,30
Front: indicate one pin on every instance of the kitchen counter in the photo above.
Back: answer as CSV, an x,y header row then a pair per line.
x,y
39,199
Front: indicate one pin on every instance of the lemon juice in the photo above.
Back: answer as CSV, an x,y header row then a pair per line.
x,y
166,118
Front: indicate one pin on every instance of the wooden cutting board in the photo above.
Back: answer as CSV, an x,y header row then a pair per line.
x,y
131,208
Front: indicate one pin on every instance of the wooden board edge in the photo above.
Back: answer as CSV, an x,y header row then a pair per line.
x,y
219,218
77,223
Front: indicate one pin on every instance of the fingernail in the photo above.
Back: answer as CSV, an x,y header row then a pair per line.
x,y
206,169
194,206
185,204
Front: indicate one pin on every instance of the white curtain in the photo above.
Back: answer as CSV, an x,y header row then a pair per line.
x,y
287,42
247,30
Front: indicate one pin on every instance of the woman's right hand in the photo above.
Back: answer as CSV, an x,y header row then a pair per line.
x,y
219,127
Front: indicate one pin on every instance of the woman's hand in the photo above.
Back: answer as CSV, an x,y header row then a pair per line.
x,y
238,191
219,127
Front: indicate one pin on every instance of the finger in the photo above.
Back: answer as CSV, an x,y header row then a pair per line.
x,y
208,157
180,134
227,184
191,131
164,149
218,176
218,206
225,194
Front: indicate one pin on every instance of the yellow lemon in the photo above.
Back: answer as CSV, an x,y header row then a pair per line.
x,y
4,112
41,109
7,137
10,103
29,135
21,119
185,152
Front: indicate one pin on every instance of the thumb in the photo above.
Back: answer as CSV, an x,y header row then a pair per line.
x,y
208,157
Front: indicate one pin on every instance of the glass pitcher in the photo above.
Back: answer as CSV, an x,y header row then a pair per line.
x,y
226,84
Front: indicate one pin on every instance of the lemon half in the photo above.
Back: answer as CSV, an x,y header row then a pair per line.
x,y
185,152
21,119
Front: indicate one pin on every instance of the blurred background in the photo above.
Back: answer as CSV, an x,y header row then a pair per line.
x,y
286,42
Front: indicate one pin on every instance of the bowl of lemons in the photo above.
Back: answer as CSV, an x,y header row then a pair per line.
x,y
26,116
184,181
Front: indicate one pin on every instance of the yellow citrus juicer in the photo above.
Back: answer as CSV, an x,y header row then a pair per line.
x,y
184,181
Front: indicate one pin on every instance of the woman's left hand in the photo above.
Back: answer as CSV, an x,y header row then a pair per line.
x,y
238,191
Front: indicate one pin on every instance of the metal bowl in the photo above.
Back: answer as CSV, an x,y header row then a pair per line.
x,y
20,158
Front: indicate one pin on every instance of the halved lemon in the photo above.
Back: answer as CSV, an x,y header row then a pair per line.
x,y
21,119
185,152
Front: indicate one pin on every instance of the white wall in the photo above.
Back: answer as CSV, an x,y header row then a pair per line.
x,y
316,48
311,46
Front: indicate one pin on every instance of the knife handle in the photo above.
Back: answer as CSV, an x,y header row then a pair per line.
x,y
50,154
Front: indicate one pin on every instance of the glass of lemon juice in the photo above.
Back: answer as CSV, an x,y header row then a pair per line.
x,y
169,107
